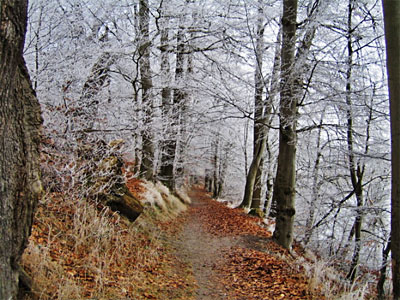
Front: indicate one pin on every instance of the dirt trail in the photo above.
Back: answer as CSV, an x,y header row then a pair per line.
x,y
232,255
203,251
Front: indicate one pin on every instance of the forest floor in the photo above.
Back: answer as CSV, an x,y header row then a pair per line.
x,y
79,250
232,255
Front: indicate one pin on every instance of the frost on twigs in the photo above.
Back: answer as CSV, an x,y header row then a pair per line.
x,y
102,177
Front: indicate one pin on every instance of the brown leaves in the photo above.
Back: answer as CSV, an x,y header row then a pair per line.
x,y
83,250
256,268
252,274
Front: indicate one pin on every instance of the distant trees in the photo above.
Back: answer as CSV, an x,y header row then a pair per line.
x,y
204,88
392,35
20,123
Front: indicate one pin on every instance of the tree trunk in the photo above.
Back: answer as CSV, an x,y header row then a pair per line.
x,y
171,145
315,187
285,181
19,147
356,172
146,83
382,278
269,184
258,136
251,176
216,167
256,202
269,102
85,117
167,146
392,34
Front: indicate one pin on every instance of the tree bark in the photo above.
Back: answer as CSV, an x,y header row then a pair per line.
x,y
285,182
167,146
146,83
88,103
258,136
19,146
269,102
392,34
382,277
315,186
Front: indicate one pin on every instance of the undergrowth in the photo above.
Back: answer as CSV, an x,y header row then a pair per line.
x,y
82,250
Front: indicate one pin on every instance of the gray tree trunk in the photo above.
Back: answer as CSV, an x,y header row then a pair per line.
x,y
392,33
88,103
382,277
19,146
167,145
285,181
258,136
315,187
146,83
269,102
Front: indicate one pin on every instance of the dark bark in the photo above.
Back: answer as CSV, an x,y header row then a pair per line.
x,y
284,189
215,169
293,70
20,137
356,172
382,277
392,34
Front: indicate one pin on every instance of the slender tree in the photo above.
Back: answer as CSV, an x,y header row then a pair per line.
x,y
259,139
19,146
167,144
391,13
356,170
146,85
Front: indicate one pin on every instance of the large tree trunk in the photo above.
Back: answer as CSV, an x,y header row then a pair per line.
x,y
146,83
19,146
392,33
285,182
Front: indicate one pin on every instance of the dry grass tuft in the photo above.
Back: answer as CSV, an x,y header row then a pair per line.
x,y
83,250
326,279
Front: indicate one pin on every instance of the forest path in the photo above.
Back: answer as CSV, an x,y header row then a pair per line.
x,y
232,256
201,250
